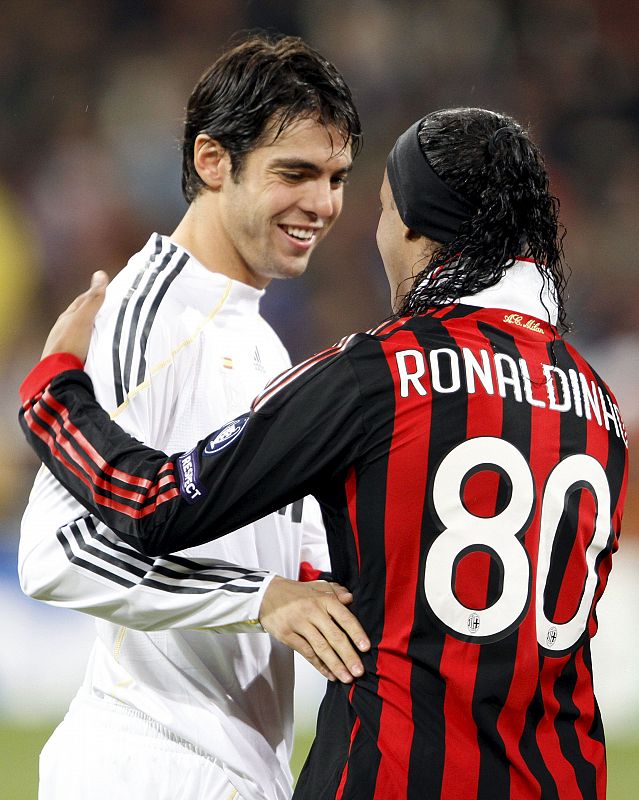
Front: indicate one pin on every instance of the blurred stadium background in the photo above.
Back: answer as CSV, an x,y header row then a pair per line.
x,y
91,97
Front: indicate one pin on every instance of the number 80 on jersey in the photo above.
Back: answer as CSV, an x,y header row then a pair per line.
x,y
501,535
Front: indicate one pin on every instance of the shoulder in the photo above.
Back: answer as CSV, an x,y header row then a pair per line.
x,y
132,317
329,367
161,293
147,284
143,319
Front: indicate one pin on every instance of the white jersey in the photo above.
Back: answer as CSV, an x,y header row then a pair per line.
x,y
177,351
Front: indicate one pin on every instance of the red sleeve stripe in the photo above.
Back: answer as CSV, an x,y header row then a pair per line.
x,y
299,369
88,448
60,438
73,460
294,372
63,438
107,502
320,356
295,369
63,450
388,326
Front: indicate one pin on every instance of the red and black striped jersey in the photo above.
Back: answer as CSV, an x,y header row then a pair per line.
x,y
471,468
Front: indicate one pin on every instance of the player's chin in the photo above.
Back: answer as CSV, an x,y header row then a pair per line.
x,y
292,267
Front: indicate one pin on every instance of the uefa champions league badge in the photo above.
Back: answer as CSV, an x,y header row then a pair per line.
x,y
190,487
225,436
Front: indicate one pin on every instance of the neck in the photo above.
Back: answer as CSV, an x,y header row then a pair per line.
x,y
417,253
201,232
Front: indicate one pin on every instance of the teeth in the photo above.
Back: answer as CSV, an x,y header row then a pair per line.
x,y
299,233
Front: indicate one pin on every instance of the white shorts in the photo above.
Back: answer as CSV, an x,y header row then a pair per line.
x,y
103,750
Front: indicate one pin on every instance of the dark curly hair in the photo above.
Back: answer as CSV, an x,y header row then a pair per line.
x,y
257,82
491,161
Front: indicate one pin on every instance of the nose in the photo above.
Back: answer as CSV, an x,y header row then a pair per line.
x,y
322,200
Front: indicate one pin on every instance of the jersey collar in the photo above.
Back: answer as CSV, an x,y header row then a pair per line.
x,y
244,298
522,289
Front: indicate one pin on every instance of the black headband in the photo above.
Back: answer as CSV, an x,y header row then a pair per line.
x,y
425,203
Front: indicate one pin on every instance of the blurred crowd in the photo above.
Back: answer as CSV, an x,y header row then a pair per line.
x,y
92,94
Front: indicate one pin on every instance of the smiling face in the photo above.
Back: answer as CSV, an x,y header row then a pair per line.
x,y
287,196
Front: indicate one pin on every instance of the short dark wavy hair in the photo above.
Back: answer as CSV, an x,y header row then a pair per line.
x,y
490,160
255,83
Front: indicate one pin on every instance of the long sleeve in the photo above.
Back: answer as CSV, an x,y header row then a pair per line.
x,y
304,429
74,561
69,558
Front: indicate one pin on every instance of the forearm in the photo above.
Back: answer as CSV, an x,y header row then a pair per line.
x,y
251,467
119,480
70,559
159,596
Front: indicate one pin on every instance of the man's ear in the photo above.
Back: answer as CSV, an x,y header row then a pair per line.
x,y
212,162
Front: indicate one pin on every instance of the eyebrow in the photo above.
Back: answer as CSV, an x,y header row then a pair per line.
x,y
308,166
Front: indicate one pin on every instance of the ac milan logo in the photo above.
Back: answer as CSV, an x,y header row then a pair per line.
x,y
551,636
473,622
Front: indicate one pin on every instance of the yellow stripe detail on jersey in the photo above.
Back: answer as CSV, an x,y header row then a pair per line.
x,y
119,641
231,625
165,362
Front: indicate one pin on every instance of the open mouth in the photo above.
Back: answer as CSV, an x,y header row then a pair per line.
x,y
301,235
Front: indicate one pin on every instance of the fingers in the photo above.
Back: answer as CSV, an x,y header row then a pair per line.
x,y
341,592
326,633
344,618
300,644
349,623
72,330
99,279
325,650
312,619
94,294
